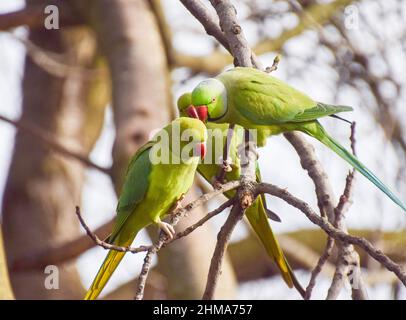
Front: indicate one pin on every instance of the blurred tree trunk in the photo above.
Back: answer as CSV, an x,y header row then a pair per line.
x,y
43,187
5,288
129,36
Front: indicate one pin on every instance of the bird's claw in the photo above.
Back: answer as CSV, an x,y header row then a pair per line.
x,y
167,228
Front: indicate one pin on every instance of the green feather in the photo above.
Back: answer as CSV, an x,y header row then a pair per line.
x,y
148,192
320,110
317,131
134,188
256,100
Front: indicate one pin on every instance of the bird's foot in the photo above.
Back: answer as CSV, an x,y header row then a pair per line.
x,y
217,182
167,229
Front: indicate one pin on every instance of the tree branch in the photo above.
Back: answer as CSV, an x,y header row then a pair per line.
x,y
348,259
346,252
223,239
320,13
106,245
207,19
332,231
202,221
233,32
319,267
211,25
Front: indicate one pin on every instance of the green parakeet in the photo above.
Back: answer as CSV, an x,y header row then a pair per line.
x,y
152,187
256,100
257,214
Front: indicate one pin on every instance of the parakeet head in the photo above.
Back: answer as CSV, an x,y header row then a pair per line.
x,y
184,101
191,135
209,100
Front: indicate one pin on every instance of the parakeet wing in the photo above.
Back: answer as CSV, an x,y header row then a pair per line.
x,y
134,188
274,101
320,110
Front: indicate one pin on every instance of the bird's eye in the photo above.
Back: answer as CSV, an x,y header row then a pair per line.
x,y
213,100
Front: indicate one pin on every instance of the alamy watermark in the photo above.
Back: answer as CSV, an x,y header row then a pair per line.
x,y
52,17
179,147
51,281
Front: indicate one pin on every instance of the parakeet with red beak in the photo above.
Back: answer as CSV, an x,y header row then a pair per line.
x,y
255,100
257,214
152,187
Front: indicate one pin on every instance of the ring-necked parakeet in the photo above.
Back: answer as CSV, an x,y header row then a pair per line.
x,y
151,188
256,100
257,214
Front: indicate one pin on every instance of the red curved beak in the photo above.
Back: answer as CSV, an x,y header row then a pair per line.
x,y
198,112
201,149
192,112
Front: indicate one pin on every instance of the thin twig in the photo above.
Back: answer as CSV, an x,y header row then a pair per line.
x,y
183,212
233,32
104,244
338,213
142,279
207,19
202,221
347,265
319,267
223,239
211,26
332,231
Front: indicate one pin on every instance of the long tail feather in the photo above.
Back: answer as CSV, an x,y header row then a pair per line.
x,y
106,270
257,217
109,265
320,134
